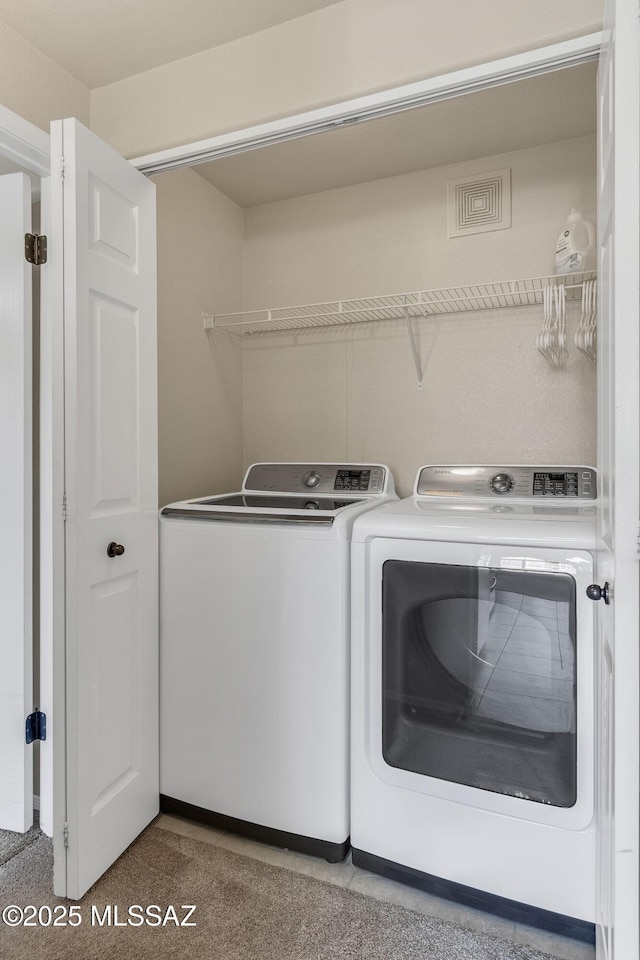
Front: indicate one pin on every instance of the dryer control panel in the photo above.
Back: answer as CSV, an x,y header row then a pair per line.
x,y
519,482
356,479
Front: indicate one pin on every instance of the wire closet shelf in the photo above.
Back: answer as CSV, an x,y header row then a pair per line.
x,y
399,306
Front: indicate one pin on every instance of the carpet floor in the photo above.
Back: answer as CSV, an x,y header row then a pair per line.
x,y
12,843
245,910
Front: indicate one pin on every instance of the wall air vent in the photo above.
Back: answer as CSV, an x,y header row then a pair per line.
x,y
479,203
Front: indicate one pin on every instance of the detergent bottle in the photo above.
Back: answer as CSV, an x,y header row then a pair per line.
x,y
576,245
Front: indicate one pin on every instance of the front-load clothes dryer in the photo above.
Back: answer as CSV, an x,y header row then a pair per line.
x,y
473,691
254,652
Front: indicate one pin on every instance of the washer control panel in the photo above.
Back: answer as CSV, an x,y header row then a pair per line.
x,y
357,479
562,483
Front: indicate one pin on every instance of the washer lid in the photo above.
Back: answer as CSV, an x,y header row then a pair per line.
x,y
252,500
283,509
251,508
312,494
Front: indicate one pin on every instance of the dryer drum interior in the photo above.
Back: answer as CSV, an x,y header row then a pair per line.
x,y
479,677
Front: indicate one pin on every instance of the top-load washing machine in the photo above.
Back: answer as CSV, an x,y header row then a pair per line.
x,y
254,652
473,691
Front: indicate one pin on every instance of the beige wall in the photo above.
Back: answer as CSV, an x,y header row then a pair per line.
x,y
35,87
304,400
199,375
351,394
346,50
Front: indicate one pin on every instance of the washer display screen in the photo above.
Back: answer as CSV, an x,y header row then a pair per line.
x,y
555,484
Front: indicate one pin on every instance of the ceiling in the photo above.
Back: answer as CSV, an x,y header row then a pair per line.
x,y
101,42
552,107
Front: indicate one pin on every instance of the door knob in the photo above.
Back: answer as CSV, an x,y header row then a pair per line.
x,y
115,549
596,592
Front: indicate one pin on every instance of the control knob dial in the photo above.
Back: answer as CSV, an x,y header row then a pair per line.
x,y
311,479
501,483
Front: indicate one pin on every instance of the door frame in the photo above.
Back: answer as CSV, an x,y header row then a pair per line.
x,y
17,688
25,144
482,76
28,147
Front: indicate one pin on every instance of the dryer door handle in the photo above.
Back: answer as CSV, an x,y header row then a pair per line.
x,y
596,592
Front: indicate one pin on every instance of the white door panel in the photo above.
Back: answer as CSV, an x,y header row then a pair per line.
x,y
16,699
111,496
618,623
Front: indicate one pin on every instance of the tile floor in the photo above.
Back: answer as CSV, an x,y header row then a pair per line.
x,y
346,875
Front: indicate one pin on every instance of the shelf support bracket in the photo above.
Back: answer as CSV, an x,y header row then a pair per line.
x,y
412,343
